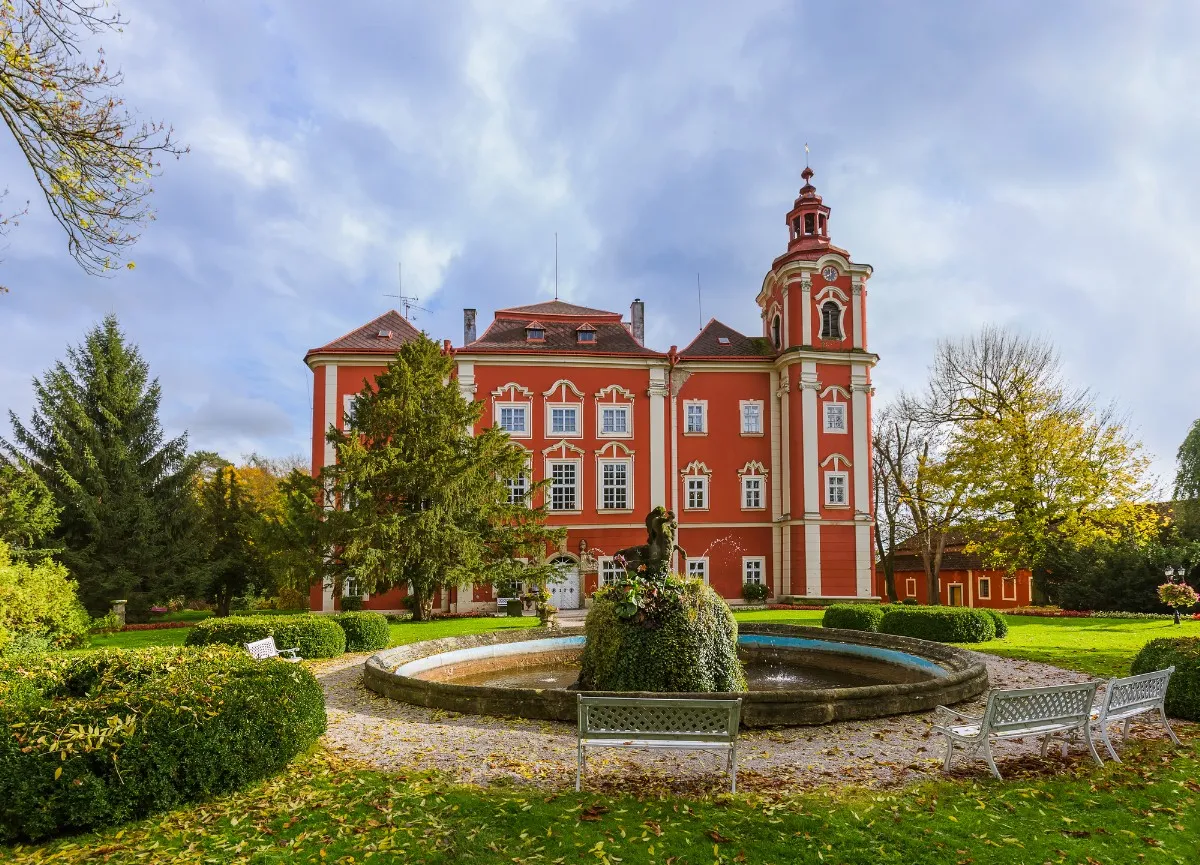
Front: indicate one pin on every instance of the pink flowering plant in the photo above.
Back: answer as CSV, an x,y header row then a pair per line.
x,y
1178,596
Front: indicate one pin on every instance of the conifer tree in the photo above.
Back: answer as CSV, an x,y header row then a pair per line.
x,y
421,500
232,524
124,490
27,512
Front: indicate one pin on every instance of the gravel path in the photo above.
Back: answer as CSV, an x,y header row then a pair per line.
x,y
481,750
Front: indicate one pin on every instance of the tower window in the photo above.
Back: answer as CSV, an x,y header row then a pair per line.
x,y
821,223
776,332
809,223
831,323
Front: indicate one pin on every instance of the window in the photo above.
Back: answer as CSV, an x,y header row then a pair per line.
x,y
610,572
809,223
698,568
985,588
697,493
350,588
752,492
614,486
535,334
614,421
777,332
564,420
513,419
585,335
751,417
831,320
835,417
1008,588
910,587
518,488
564,486
348,407
837,489
694,414
752,569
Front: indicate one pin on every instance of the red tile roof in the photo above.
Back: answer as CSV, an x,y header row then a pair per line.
x,y
508,334
709,344
557,308
366,339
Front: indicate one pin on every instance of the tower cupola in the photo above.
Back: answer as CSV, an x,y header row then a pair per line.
x,y
808,220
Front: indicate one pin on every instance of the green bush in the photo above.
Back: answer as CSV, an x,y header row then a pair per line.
x,y
999,621
692,648
106,737
315,636
754,591
853,617
351,603
365,631
940,624
39,609
1182,653
912,602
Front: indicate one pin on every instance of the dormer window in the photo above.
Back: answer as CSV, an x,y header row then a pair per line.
x,y
831,320
585,333
534,332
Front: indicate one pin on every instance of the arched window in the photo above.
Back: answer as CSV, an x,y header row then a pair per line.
x,y
831,325
777,332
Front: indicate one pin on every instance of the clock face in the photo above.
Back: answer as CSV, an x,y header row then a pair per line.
x,y
830,273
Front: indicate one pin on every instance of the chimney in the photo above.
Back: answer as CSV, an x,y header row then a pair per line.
x,y
468,326
637,320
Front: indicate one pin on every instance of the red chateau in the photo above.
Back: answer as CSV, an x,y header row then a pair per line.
x,y
760,444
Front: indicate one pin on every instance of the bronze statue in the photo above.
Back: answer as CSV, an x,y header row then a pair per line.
x,y
655,554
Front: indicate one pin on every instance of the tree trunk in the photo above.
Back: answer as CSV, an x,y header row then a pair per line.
x,y
422,610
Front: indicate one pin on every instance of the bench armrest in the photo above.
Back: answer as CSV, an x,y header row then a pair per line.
x,y
944,717
295,653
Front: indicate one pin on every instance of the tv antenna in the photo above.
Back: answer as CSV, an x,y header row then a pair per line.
x,y
407,302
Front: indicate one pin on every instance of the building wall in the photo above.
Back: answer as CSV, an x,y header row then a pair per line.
x,y
1003,594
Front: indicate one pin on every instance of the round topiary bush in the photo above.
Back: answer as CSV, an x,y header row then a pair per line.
x,y
1182,653
853,617
315,636
940,624
999,621
365,631
88,740
690,646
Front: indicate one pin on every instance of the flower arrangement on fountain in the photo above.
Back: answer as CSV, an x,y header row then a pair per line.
x,y
657,631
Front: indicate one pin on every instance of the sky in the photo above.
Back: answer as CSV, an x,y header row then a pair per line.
x,y
1027,164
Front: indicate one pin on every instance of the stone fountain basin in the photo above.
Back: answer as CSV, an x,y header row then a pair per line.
x,y
916,675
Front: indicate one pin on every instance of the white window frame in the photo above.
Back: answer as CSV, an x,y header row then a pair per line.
x,y
702,404
347,584
910,587
825,413
690,567
574,407
742,405
845,485
347,405
762,493
761,562
1004,584
624,409
979,584
578,464
607,565
702,481
627,462
526,478
526,407
841,319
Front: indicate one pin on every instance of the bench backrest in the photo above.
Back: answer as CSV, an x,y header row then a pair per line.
x,y
264,648
1009,711
658,718
1147,691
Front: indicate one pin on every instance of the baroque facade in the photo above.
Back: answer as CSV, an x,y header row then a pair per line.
x,y
761,444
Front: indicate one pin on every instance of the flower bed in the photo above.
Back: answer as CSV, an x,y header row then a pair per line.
x,y
157,626
1056,613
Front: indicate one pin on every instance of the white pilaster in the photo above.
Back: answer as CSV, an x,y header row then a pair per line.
x,y
658,437
812,477
862,458
331,407
776,482
812,559
862,560
857,312
806,311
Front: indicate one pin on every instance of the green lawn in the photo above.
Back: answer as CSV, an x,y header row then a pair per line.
x,y
413,632
324,810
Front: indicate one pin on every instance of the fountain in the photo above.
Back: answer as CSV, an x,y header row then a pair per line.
x,y
654,629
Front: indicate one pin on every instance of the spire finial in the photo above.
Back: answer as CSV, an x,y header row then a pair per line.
x,y
806,154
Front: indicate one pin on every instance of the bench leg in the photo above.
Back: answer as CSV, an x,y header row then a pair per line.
x,y
1162,713
733,768
986,748
949,754
1087,737
1046,744
1104,737
579,761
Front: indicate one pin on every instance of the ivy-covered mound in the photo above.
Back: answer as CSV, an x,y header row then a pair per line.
x,y
88,740
673,634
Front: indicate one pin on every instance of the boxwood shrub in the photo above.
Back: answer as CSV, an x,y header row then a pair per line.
x,y
999,621
365,631
95,739
315,636
853,617
940,624
1182,653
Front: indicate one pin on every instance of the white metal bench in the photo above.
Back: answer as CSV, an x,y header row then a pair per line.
x,y
265,648
654,722
1036,712
1133,696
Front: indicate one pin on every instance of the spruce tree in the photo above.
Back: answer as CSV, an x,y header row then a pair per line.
x,y
232,524
127,520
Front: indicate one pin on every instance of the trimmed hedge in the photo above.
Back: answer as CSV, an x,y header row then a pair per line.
x,y
693,648
365,631
1183,653
853,617
95,739
999,621
315,636
754,591
940,624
